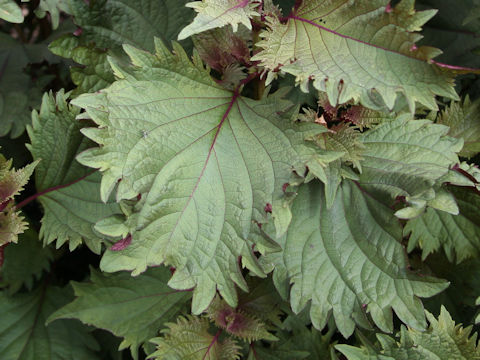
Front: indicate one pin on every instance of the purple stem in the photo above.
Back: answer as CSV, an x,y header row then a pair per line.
x,y
53,188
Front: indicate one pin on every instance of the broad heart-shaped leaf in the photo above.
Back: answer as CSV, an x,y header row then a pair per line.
x,y
190,339
70,192
329,42
24,262
464,122
10,11
24,335
204,160
349,259
218,13
132,308
458,235
407,158
442,341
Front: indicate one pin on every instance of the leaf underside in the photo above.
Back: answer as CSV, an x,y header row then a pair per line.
x,y
327,41
348,259
204,160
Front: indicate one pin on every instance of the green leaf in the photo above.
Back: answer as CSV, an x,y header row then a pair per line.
x,y
24,262
442,341
218,13
53,7
349,260
204,160
329,43
237,322
11,183
458,235
407,158
19,92
110,24
451,31
107,25
189,339
56,140
10,11
94,74
464,121
25,336
132,308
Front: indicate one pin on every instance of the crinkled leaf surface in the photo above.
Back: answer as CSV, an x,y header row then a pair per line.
x,y
74,206
112,23
24,262
132,308
11,183
189,339
204,160
218,13
407,158
327,41
237,322
94,74
10,11
442,341
24,336
108,24
348,259
463,118
458,235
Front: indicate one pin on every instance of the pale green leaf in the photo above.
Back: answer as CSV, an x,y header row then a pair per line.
x,y
458,235
132,308
463,118
218,13
10,11
189,339
71,198
327,41
24,335
349,260
53,7
407,158
204,160
444,340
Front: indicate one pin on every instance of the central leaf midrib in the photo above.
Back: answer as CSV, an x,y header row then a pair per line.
x,y
210,150
348,37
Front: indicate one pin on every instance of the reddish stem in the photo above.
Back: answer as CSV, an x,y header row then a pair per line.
x,y
214,340
53,188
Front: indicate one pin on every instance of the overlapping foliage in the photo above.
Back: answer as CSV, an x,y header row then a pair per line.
x,y
239,179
